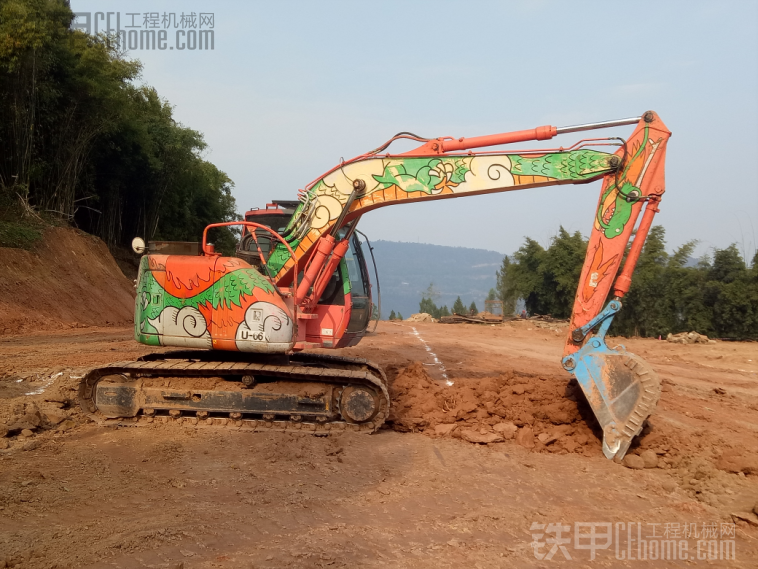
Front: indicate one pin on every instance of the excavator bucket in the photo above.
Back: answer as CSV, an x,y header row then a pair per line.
x,y
622,389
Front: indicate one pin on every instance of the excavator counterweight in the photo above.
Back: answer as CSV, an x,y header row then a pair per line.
x,y
299,281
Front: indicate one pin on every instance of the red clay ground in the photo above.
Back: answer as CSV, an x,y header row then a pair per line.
x,y
68,280
83,496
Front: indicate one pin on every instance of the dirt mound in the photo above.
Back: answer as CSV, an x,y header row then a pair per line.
x,y
420,317
738,461
70,279
549,414
689,338
50,407
539,412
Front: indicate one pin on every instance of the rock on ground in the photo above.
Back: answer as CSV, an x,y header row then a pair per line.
x,y
634,461
55,416
650,458
482,438
445,429
525,437
508,430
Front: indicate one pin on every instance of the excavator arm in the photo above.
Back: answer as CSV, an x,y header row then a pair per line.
x,y
620,387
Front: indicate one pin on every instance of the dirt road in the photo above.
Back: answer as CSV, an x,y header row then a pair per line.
x,y
75,495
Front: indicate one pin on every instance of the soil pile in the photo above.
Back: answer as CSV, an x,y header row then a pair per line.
x,y
69,280
50,408
538,412
420,317
549,414
689,338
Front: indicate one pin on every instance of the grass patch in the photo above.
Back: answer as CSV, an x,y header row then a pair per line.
x,y
18,235
20,227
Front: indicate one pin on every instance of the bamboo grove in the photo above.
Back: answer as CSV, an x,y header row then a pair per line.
x,y
715,295
81,139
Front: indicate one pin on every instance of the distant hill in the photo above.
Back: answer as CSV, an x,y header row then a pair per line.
x,y
406,269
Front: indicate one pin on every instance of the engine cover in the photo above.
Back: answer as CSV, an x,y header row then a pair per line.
x,y
210,302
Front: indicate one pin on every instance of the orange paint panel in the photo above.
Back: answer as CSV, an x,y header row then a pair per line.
x,y
227,319
598,271
610,234
186,276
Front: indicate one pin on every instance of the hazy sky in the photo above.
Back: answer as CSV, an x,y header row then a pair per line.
x,y
291,87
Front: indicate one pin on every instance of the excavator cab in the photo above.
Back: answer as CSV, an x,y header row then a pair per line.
x,y
348,292
275,215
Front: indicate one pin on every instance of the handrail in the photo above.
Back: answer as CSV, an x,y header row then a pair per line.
x,y
211,252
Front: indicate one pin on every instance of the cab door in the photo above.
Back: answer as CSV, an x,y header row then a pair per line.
x,y
360,287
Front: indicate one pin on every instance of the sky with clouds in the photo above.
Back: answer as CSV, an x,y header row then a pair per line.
x,y
291,87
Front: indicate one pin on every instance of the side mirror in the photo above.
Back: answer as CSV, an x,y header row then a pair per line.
x,y
138,245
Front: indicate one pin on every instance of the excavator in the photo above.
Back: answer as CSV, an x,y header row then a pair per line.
x,y
299,281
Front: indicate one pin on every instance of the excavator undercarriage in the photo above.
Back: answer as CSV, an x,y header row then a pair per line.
x,y
299,392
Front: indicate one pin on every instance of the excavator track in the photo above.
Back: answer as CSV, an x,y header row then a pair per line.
x,y
300,392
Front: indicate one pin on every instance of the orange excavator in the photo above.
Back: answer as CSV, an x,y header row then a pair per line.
x,y
299,281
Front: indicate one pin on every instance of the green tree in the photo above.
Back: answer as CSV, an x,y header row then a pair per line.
x,y
427,303
717,297
392,315
81,140
561,269
444,311
459,307
545,279
399,316
684,292
728,265
506,287
472,309
733,292
525,277
492,294
644,306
